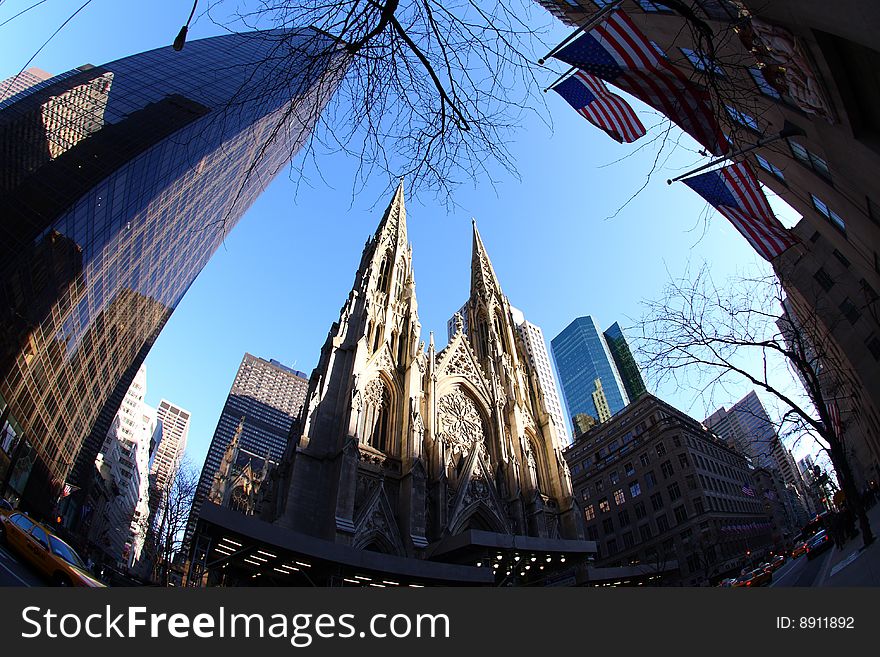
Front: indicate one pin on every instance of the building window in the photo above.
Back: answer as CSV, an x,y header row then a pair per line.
x,y
657,501
683,460
608,526
650,479
702,62
623,518
661,449
763,86
644,459
600,486
645,532
674,491
628,540
615,478
653,7
810,159
742,118
828,213
662,523
639,508
634,489
612,547
630,470
691,482
842,259
593,533
666,469
681,514
698,505
604,507
849,310
823,279
619,499
590,512
719,10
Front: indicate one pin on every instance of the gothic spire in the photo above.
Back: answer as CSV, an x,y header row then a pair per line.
x,y
484,282
392,229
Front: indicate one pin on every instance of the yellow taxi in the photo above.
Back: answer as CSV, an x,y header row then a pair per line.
x,y
51,556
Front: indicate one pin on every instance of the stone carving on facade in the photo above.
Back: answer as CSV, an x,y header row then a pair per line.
x,y
461,426
375,393
418,426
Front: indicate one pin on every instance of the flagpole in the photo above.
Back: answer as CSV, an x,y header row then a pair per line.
x,y
788,130
561,78
597,18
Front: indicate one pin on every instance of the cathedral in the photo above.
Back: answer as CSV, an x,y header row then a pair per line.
x,y
401,449
235,485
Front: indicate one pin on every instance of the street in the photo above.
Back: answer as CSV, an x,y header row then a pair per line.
x,y
801,571
15,573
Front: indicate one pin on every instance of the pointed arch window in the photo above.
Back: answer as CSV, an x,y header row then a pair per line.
x,y
377,337
398,282
402,341
499,329
382,281
483,337
376,430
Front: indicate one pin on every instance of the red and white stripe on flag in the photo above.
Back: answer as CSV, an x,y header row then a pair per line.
x,y
609,111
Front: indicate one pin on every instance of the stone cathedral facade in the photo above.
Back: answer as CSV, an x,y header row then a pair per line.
x,y
400,446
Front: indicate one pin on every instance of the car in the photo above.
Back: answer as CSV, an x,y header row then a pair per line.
x,y
776,562
47,553
755,578
799,549
728,582
820,542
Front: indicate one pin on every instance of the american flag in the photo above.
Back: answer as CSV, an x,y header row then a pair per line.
x,y
618,52
733,191
608,111
834,412
748,491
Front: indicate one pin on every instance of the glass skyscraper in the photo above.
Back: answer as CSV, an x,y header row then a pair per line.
x,y
582,358
118,183
626,364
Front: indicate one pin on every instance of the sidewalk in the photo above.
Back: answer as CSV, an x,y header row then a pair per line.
x,y
852,566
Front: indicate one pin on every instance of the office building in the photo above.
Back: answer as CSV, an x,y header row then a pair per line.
x,y
539,358
166,459
626,364
120,183
262,404
663,495
121,470
591,382
27,79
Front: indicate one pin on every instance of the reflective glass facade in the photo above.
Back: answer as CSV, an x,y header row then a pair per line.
x,y
268,396
626,364
118,183
581,357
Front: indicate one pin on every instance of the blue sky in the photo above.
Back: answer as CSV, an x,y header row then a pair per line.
x,y
282,275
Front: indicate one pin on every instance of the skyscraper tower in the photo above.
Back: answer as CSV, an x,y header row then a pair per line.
x,y
174,423
265,398
626,364
582,357
748,428
110,214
